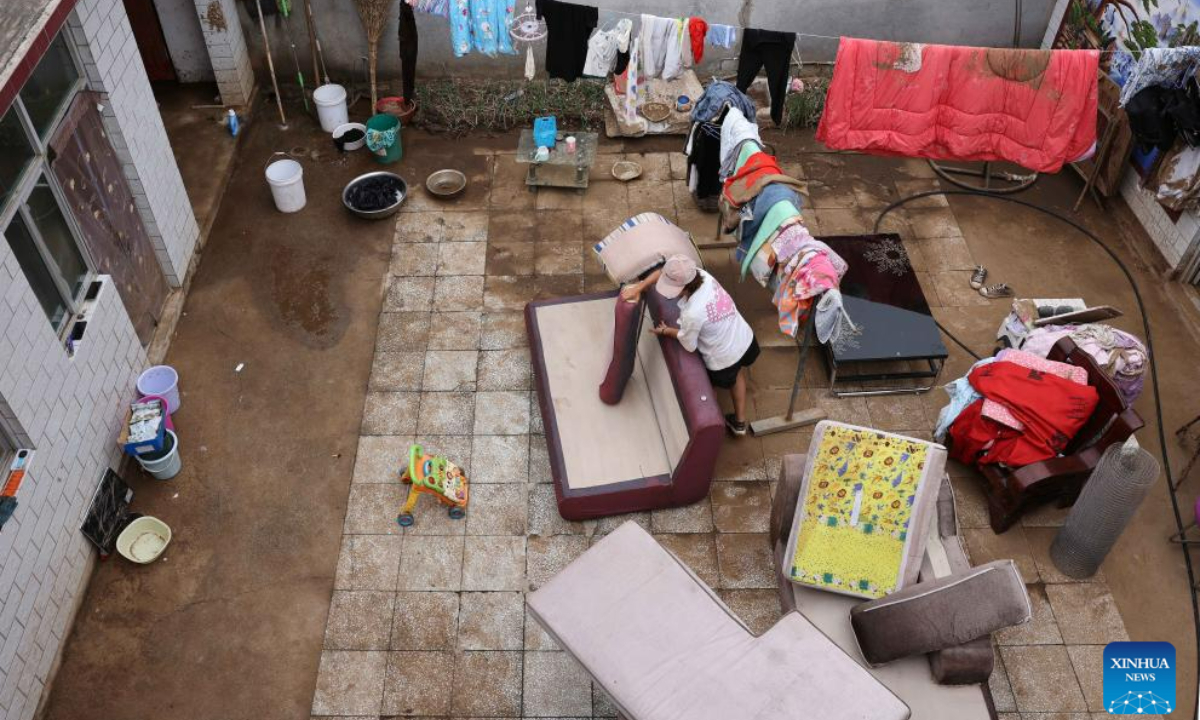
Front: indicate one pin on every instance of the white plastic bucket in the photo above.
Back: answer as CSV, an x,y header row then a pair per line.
x,y
331,106
169,465
163,381
286,179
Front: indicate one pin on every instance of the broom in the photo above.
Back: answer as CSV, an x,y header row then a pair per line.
x,y
374,15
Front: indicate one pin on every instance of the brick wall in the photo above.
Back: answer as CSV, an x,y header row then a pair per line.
x,y
1173,239
100,32
70,410
227,50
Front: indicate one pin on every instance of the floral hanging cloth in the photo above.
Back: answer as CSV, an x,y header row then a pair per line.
x,y
481,25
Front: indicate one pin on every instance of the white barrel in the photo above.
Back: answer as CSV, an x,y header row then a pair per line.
x,y
331,106
167,466
163,381
286,179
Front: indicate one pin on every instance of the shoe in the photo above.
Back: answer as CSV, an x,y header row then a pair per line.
x,y
978,277
999,290
735,427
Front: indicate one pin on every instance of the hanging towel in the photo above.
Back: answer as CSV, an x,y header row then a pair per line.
x,y
722,36
657,35
673,55
568,26
1165,67
1035,108
697,29
408,41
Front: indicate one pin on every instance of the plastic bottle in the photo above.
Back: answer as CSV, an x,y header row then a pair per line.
x,y
232,121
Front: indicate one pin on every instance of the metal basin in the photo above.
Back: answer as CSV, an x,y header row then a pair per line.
x,y
375,214
446,183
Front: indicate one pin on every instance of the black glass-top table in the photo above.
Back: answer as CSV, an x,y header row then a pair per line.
x,y
898,338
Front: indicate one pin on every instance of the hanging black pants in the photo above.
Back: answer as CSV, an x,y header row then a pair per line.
x,y
408,50
774,51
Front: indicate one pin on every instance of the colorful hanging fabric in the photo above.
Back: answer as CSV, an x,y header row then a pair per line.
x,y
482,26
722,36
632,83
697,29
1034,108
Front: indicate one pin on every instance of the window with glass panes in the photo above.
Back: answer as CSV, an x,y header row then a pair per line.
x,y
38,229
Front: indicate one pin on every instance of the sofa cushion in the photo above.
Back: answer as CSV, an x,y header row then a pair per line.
x,y
640,243
941,613
864,508
664,647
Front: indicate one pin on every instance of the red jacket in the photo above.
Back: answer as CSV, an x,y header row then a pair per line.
x,y
1035,108
1051,409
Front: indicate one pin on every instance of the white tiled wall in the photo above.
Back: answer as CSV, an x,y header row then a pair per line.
x,y
227,50
100,31
1172,239
70,410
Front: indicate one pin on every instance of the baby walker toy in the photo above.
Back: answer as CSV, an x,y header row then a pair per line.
x,y
436,476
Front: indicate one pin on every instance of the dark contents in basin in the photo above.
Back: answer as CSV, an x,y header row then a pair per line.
x,y
375,193
352,135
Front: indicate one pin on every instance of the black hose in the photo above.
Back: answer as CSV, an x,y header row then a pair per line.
x,y
1137,294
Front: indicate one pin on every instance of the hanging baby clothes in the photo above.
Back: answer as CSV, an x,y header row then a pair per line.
x,y
722,36
1035,108
568,26
1164,67
602,49
697,29
774,51
481,25
408,50
431,7
656,36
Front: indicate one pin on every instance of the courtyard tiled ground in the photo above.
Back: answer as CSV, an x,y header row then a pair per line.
x,y
429,621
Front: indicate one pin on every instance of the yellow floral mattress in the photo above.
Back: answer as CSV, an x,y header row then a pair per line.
x,y
863,515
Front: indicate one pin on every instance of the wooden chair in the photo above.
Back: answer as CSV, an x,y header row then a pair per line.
x,y
1012,491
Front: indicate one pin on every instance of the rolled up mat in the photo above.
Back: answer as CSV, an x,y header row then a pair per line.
x,y
625,339
1107,502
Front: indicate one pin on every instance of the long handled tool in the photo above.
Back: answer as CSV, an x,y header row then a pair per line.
x,y
262,24
312,40
285,9
318,53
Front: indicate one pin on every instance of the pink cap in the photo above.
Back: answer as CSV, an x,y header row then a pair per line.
x,y
677,272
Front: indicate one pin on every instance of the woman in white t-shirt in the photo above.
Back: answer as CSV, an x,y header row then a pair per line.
x,y
710,323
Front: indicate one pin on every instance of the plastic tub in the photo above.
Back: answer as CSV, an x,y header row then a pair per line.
x,y
144,540
286,178
161,381
353,145
166,464
331,106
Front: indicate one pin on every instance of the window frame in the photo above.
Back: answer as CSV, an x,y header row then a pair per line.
x,y
17,202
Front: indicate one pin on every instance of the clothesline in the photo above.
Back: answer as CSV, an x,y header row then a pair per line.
x,y
817,36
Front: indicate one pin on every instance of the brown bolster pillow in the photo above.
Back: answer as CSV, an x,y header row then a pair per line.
x,y
938,614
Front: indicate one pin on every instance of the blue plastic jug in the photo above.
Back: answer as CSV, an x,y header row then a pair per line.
x,y
545,129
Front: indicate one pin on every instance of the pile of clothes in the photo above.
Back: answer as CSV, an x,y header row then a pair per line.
x,y
1015,409
1162,99
761,205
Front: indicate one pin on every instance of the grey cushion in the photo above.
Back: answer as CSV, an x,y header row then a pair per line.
x,y
664,647
941,613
